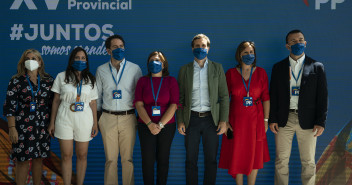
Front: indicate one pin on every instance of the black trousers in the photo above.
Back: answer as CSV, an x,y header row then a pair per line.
x,y
201,127
155,147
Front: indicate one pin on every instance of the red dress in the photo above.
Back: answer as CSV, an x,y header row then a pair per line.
x,y
248,149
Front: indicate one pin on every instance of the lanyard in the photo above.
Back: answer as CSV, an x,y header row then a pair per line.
x,y
299,73
157,95
30,85
249,83
79,91
123,68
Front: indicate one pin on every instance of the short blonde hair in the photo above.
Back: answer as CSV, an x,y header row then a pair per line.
x,y
21,69
200,36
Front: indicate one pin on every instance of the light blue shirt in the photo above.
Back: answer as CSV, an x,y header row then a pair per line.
x,y
200,91
127,85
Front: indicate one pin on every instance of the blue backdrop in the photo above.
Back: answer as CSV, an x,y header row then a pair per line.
x,y
55,27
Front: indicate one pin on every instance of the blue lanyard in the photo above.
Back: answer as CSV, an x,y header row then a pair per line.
x,y
249,83
299,73
79,91
30,85
157,95
123,69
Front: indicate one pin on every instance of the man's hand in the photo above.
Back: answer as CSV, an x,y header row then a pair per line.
x,y
181,128
319,130
274,127
222,127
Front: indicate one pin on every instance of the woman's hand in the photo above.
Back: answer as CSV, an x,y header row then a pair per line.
x,y
94,130
13,134
154,128
51,129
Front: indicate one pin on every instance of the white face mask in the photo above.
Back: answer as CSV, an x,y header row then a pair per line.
x,y
31,65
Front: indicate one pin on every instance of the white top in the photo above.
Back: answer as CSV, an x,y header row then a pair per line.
x,y
68,91
295,67
200,91
127,85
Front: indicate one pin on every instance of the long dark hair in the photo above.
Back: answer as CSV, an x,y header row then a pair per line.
x,y
86,74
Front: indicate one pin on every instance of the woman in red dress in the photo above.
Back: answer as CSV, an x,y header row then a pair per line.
x,y
247,151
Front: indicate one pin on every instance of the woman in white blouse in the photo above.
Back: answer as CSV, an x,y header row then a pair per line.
x,y
74,113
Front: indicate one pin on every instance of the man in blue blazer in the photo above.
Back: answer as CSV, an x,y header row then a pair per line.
x,y
205,108
298,105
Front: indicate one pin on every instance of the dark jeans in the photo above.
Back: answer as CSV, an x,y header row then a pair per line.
x,y
201,127
155,147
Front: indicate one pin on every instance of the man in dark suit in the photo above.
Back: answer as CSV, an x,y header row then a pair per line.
x,y
298,105
205,108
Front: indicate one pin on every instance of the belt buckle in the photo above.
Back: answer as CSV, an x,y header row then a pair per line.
x,y
294,111
201,114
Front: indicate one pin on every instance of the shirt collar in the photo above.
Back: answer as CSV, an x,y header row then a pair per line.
x,y
121,64
299,61
195,64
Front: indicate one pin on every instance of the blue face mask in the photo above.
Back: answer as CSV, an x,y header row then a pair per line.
x,y
200,53
118,53
79,65
248,59
298,49
155,67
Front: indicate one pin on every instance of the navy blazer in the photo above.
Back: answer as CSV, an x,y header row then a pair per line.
x,y
313,95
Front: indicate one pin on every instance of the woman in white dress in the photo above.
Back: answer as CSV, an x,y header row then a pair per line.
x,y
74,113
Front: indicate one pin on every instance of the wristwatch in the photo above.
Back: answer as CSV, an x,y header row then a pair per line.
x,y
161,125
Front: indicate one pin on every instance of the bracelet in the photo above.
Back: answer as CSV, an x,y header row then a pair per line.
x,y
150,122
11,126
266,120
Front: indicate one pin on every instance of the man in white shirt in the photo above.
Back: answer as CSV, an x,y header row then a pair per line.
x,y
116,83
298,105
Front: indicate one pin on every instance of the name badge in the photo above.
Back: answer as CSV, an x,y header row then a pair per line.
x,y
247,101
79,106
156,110
116,94
295,91
32,106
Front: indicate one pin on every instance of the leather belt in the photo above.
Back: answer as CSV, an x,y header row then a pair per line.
x,y
119,112
200,114
294,111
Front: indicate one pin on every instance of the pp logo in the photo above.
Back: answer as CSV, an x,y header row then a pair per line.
x,y
295,91
50,4
117,95
333,3
248,102
79,107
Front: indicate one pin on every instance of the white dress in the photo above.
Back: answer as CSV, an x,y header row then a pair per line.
x,y
73,125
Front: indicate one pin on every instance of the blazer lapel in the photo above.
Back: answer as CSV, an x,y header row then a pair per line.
x,y
288,75
189,82
307,68
210,76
